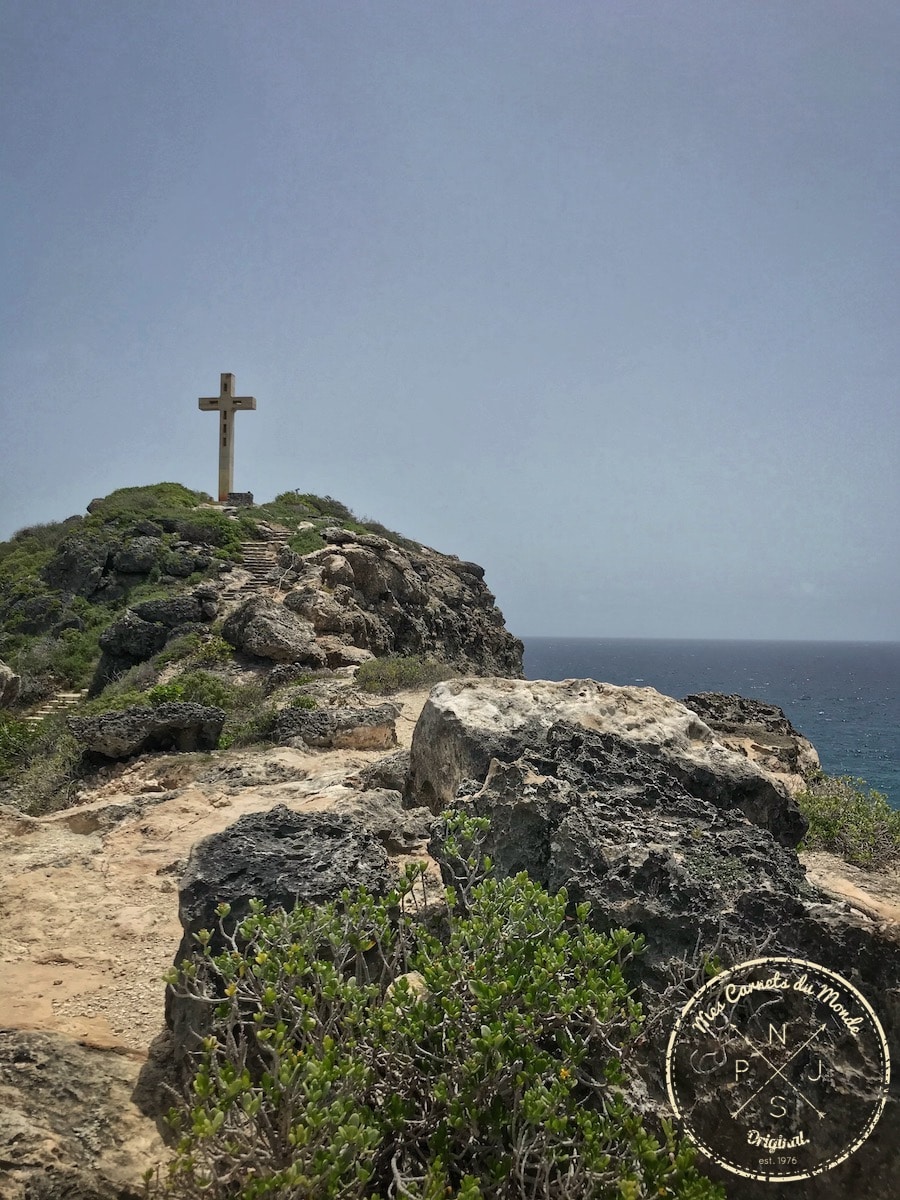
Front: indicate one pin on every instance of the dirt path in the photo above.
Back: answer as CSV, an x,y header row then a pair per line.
x,y
89,900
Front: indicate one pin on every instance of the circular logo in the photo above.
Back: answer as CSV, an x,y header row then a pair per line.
x,y
778,1069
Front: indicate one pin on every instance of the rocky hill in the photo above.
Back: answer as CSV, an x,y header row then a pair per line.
x,y
249,735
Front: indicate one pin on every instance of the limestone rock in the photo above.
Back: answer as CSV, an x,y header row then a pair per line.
x,y
70,1128
133,639
280,857
379,810
468,722
200,605
10,683
390,772
371,593
759,730
266,629
172,726
368,728
614,825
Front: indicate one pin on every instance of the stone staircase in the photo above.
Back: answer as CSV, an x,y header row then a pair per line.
x,y
56,705
260,559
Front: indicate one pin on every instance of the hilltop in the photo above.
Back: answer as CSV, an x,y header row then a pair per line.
x,y
158,595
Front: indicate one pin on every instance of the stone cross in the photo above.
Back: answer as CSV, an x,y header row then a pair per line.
x,y
225,404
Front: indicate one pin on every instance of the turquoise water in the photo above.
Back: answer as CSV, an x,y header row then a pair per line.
x,y
844,696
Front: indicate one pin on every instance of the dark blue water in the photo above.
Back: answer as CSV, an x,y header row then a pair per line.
x,y
844,696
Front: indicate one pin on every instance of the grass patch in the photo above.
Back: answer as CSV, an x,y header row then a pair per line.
x,y
849,819
395,673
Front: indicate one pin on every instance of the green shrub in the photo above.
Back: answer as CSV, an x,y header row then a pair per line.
x,y
49,779
851,820
195,687
17,738
396,672
149,502
215,651
302,700
306,541
333,1071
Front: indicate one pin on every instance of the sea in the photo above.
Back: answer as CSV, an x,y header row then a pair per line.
x,y
843,696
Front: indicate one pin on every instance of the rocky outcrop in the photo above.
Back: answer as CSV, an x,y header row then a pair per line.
x,y
370,593
265,629
145,629
614,825
10,683
70,1130
137,730
760,731
468,722
280,857
370,728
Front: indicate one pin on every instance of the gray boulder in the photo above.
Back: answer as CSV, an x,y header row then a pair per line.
x,y
280,857
80,565
266,629
133,639
369,728
615,826
759,730
200,605
10,684
466,723
137,730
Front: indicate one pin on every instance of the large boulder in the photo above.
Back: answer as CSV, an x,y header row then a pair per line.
x,y
139,555
172,726
265,629
466,723
280,857
10,683
613,824
366,728
80,566
761,731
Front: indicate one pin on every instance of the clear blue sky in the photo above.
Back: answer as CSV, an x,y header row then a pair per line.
x,y
603,295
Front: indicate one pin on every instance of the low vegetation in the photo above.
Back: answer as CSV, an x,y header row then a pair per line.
x,y
395,673
850,820
355,1052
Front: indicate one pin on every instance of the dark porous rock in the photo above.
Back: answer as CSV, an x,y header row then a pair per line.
x,y
200,605
466,723
10,683
137,730
265,629
759,730
615,826
70,1129
389,772
367,728
34,614
280,857
133,639
79,565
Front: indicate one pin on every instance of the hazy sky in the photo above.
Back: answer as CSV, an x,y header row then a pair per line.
x,y
603,295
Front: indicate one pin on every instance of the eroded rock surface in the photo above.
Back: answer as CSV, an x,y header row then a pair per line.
x,y
368,592
176,725
280,857
468,722
761,731
266,629
595,814
366,728
70,1129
